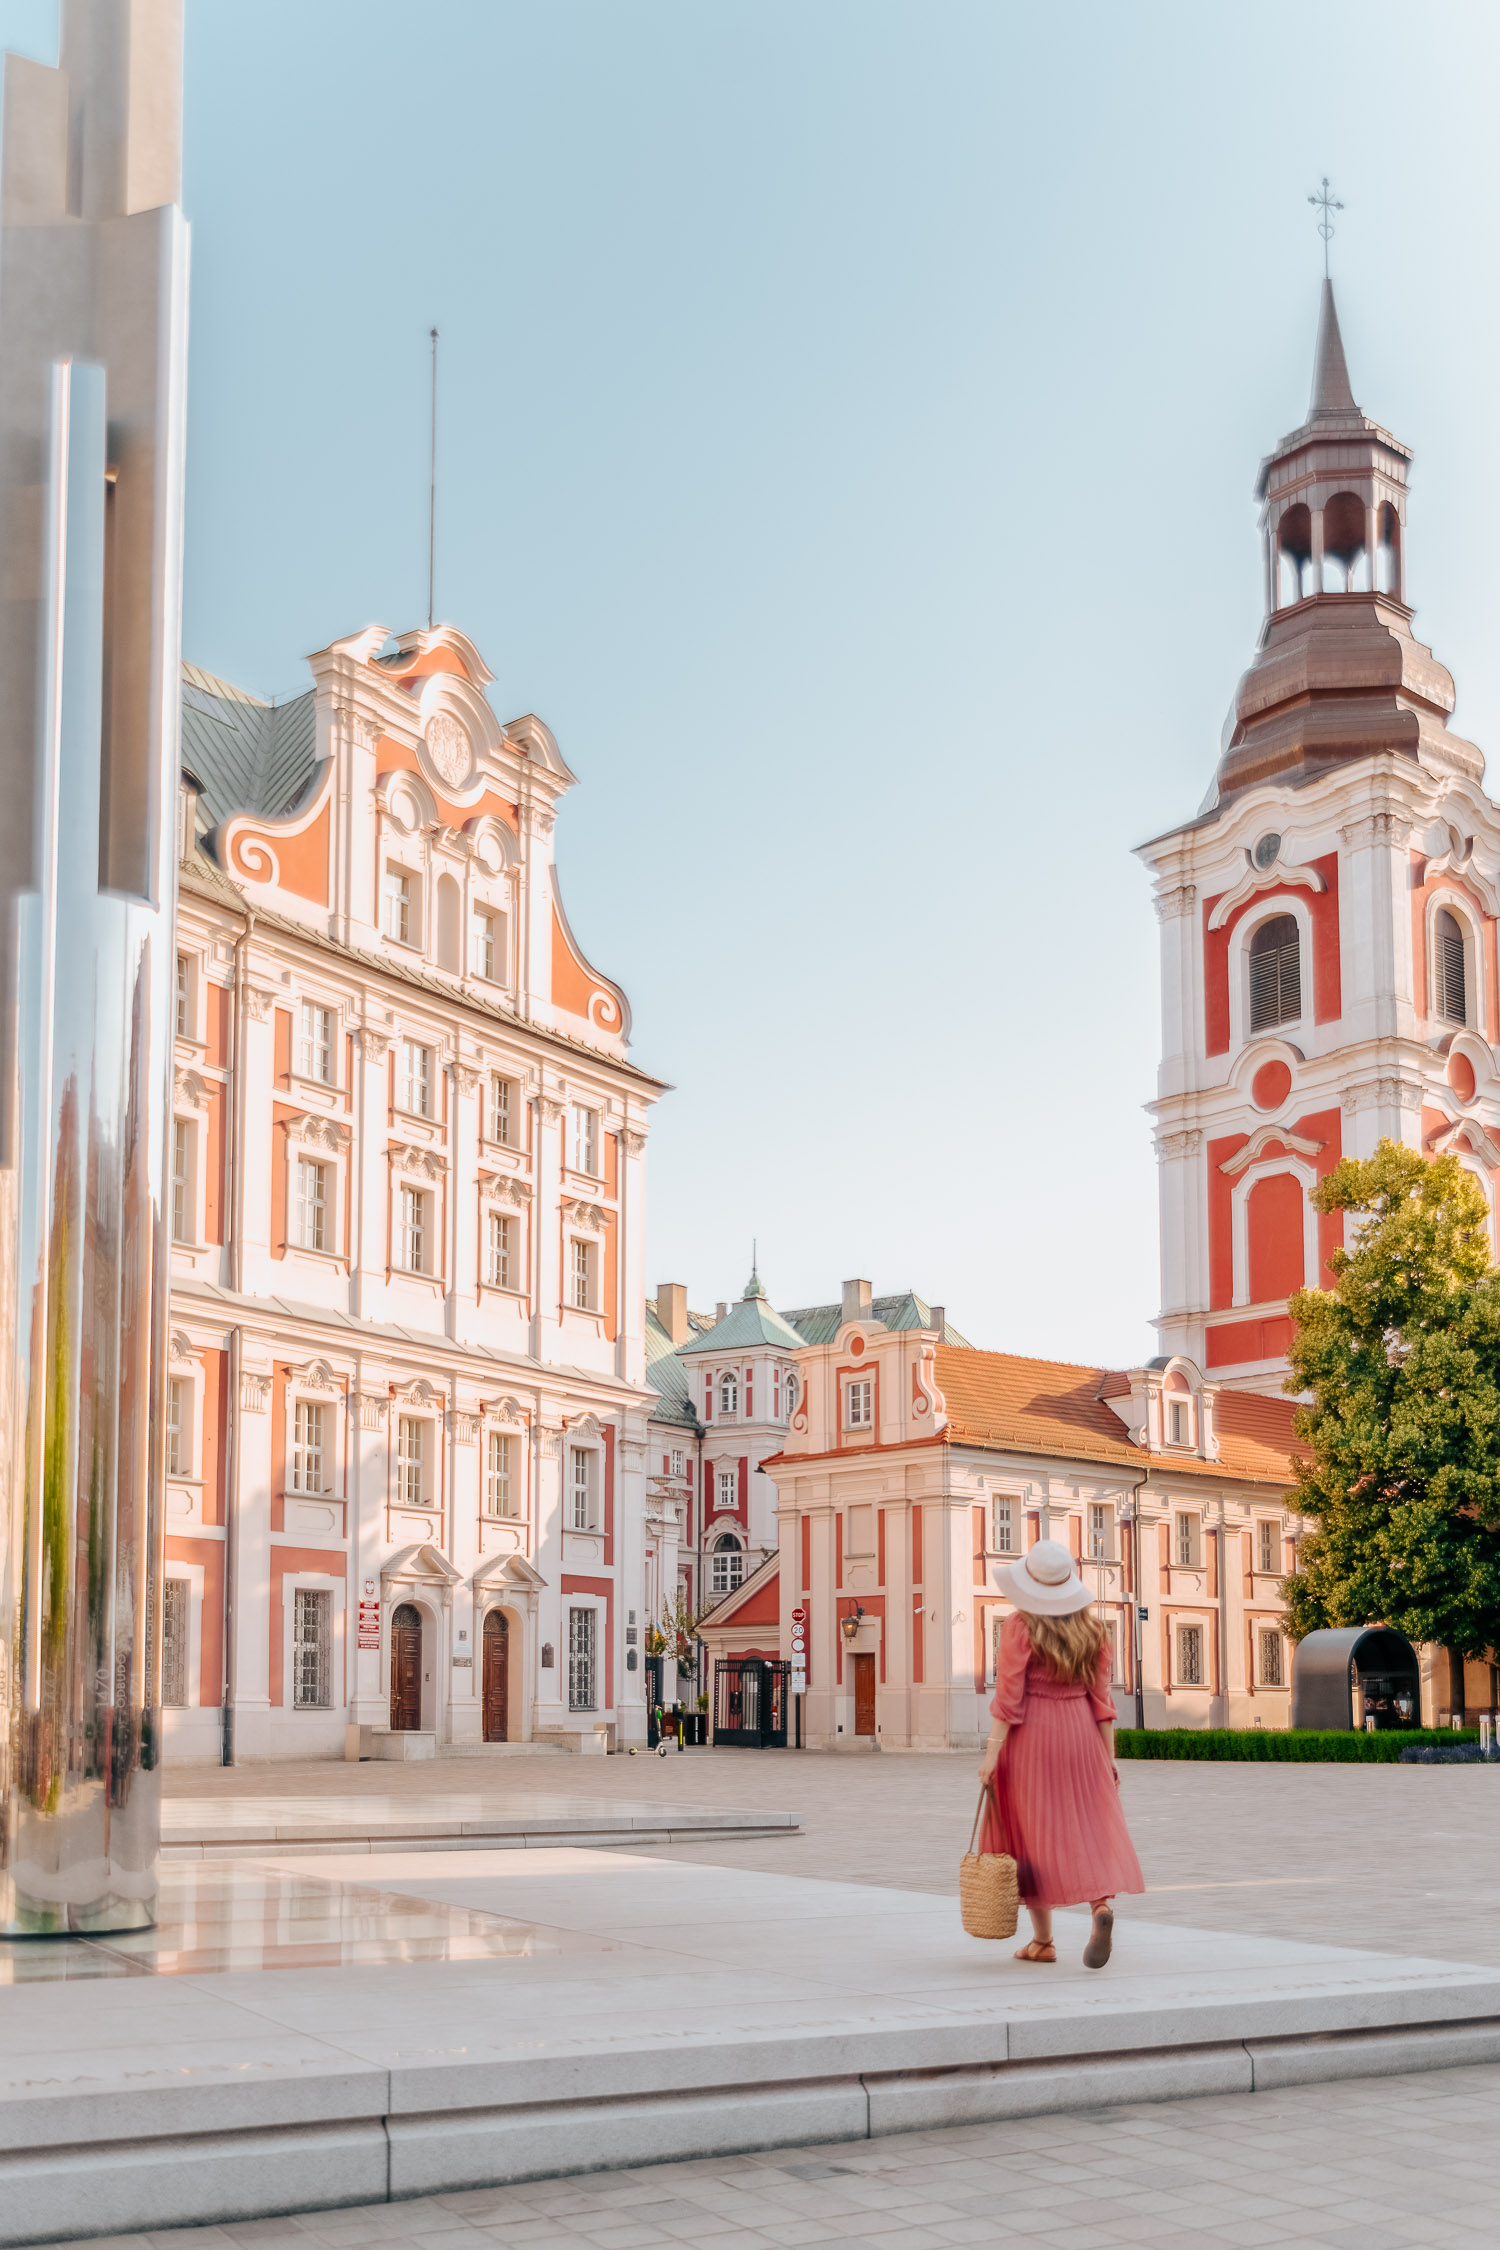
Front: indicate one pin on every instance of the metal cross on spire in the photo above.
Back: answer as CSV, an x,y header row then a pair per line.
x,y
1327,204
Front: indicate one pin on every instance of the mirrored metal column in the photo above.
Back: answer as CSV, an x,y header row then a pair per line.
x,y
93,302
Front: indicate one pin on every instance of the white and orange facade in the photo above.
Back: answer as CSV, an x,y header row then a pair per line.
x,y
1328,921
407,1427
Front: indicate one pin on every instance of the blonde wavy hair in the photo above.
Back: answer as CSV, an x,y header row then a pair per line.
x,y
1068,1646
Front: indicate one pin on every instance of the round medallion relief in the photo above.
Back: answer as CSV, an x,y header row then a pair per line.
x,y
448,748
1271,1085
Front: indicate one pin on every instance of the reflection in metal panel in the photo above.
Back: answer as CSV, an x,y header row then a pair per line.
x,y
1347,1675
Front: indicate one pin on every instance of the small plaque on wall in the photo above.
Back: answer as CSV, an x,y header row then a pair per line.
x,y
547,1656
463,1663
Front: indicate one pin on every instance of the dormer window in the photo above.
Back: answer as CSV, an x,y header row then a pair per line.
x,y
859,1408
1177,1421
1275,973
729,1394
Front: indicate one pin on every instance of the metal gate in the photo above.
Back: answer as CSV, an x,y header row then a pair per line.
x,y
752,1695
653,1700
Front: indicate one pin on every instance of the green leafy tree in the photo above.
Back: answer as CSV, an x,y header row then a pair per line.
x,y
1402,1360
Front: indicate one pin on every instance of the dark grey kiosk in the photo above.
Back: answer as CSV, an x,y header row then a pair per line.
x,y
1352,1674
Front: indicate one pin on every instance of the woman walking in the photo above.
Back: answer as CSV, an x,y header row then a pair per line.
x,y
1057,1811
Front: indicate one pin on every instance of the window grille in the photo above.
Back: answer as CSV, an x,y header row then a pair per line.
x,y
502,1110
499,1269
729,1394
1275,973
176,1616
585,1140
1098,1533
1452,970
1004,1540
726,1567
411,1248
1272,1659
397,905
859,1404
728,1488
582,1630
583,1276
581,1484
499,1488
411,1461
1190,1656
312,1204
1187,1542
312,1648
182,1191
179,1450
416,1078
182,996
1267,1547
317,1042
307,1446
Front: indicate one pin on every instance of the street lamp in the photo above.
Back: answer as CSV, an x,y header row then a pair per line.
x,y
849,1626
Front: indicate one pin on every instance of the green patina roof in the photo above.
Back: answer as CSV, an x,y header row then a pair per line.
x,y
819,1324
665,1372
752,1321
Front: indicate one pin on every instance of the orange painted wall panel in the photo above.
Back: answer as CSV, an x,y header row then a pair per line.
x,y
394,757
1274,1227
213,1165
1323,910
217,1001
209,1554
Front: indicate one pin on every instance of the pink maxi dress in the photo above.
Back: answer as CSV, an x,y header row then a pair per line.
x,y
1059,1813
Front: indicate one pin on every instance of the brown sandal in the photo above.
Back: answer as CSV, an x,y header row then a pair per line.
x,y
1038,1949
1101,1938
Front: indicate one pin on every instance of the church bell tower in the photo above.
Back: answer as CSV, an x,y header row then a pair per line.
x,y
1328,919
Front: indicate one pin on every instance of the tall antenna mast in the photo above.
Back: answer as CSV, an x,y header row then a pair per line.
x,y
432,489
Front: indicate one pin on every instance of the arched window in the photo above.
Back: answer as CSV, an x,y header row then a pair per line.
x,y
1451,968
726,1565
1275,973
729,1393
791,1391
1343,542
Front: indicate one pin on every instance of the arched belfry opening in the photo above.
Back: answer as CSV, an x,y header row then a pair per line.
x,y
1345,550
1294,556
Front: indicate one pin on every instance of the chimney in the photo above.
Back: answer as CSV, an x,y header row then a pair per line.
x,y
671,1309
937,1317
721,1311
856,1300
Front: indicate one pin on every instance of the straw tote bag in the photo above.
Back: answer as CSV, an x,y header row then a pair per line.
x,y
989,1889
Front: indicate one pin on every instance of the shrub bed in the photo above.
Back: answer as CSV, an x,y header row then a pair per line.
x,y
1285,1745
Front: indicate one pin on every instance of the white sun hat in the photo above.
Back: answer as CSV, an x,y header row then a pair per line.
x,y
1045,1581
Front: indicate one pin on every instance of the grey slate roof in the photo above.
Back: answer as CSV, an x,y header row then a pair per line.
x,y
246,756
819,1324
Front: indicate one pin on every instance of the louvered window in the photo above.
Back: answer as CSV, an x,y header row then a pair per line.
x,y
1452,972
1275,973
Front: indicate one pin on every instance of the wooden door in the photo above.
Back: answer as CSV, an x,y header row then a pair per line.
x,y
406,1669
496,1676
864,1694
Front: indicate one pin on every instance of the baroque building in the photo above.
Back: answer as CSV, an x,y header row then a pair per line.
x,y
1328,919
407,1413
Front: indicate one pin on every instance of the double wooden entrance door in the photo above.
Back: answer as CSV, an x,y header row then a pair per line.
x,y
406,1669
496,1677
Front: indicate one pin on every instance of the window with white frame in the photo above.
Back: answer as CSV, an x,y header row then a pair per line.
x,y
585,1139
726,1565
729,1392
775,1394
1100,1526
1272,1657
1003,1526
1186,1550
310,1216
859,1406
312,1648
791,1392
1450,968
414,1079
582,1663
182,1180
179,1426
489,946
1275,965
315,1051
499,1474
176,1641
309,1425
412,1229
398,904
500,1250
1190,1656
1177,1421
184,998
584,1275
582,1488
674,1462
411,1461
1268,1546
728,1488
505,1110
1112,1643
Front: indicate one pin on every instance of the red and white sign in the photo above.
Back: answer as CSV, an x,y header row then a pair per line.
x,y
369,1624
799,1651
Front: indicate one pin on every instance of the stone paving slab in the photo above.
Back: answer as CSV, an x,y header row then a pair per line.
x,y
198,1827
664,2010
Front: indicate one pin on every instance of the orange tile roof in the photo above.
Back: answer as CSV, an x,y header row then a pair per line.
x,y
1045,1406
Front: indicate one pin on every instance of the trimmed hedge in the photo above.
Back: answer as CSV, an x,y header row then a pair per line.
x,y
1283,1745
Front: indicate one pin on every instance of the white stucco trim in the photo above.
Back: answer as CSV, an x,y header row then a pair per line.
x,y
1239,972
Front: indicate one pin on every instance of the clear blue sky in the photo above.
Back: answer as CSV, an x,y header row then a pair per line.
x,y
850,417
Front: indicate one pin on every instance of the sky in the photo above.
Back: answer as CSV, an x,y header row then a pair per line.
x,y
849,419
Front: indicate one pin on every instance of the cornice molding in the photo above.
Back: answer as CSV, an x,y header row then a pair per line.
x,y
1261,1139
1257,879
